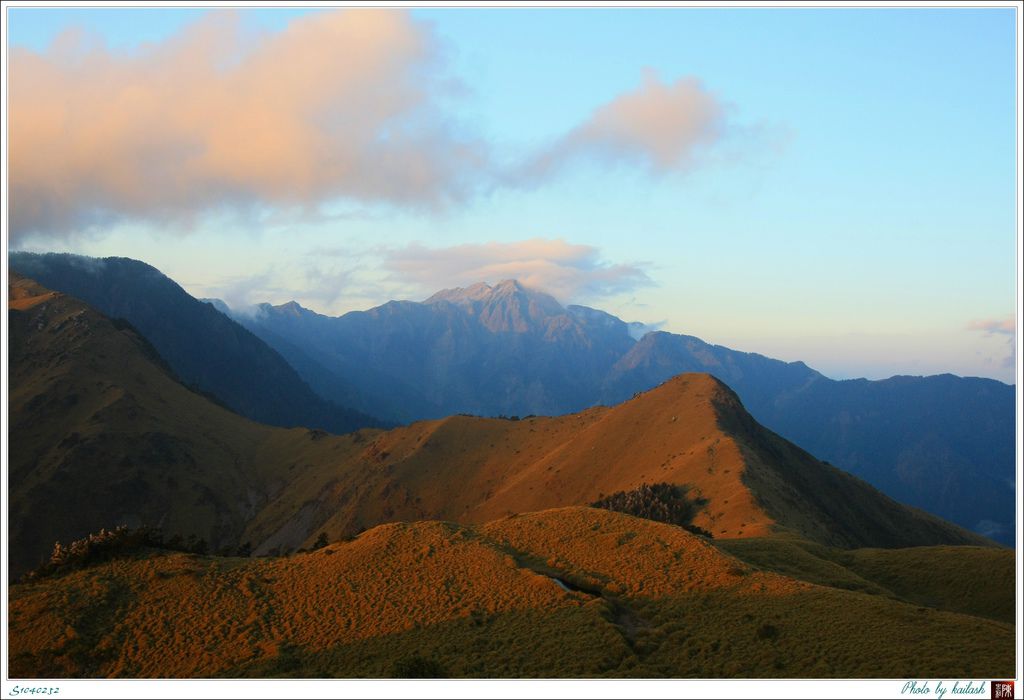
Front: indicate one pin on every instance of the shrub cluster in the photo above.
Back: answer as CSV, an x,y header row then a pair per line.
x,y
111,544
664,503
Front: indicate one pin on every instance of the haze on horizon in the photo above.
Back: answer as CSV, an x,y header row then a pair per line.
x,y
835,186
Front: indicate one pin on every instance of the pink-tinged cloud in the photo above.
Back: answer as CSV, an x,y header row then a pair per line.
x,y
661,127
339,104
1006,326
569,272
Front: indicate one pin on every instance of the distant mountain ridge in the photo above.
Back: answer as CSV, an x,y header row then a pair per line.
x,y
942,443
483,350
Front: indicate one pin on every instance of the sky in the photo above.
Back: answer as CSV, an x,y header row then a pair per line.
x,y
832,185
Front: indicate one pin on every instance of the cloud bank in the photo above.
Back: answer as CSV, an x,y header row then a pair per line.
x,y
570,272
338,104
344,105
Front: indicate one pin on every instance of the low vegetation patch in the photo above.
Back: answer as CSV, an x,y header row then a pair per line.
x,y
663,503
111,544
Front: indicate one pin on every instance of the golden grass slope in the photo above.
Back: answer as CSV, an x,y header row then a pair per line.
x,y
656,601
690,430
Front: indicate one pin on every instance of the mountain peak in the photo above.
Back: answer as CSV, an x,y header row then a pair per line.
x,y
292,307
507,306
510,285
218,304
503,291
481,291
474,292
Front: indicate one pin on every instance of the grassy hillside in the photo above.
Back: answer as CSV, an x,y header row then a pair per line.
x,y
102,434
691,430
636,598
971,580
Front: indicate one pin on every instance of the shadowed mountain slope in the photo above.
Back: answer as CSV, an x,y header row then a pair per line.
x,y
205,348
501,350
102,433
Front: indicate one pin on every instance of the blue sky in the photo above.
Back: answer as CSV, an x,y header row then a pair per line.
x,y
831,185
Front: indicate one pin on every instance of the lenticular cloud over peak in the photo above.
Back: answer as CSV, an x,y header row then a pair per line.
x,y
569,271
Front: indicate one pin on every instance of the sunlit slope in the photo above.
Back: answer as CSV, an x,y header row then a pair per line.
x,y
690,430
647,599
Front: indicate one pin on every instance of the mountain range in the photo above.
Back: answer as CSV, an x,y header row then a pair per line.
x,y
941,443
462,545
96,410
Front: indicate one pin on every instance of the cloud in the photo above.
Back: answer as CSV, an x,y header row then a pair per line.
x,y
338,105
340,111
242,293
570,272
1006,326
661,127
638,329
314,285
